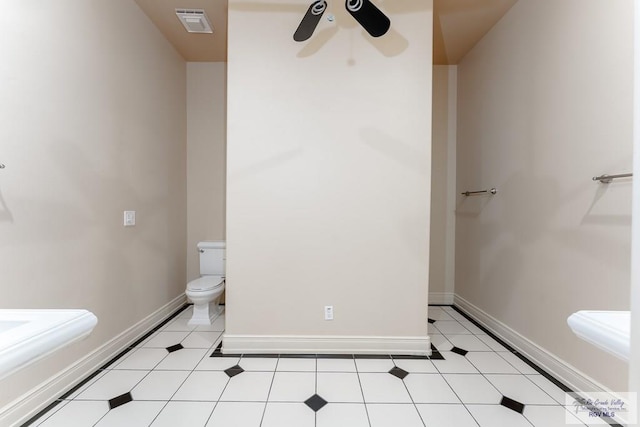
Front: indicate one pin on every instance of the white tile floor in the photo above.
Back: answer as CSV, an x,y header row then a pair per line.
x,y
188,387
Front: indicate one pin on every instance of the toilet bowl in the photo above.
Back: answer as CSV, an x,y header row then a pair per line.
x,y
205,291
204,294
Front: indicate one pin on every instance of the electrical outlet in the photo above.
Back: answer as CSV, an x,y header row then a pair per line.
x,y
129,218
328,312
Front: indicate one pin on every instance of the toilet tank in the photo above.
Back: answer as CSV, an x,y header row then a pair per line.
x,y
212,257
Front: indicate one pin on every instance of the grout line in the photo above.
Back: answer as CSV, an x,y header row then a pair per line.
x,y
413,402
218,401
81,384
544,373
338,403
486,379
264,411
105,414
136,350
316,374
315,413
512,351
208,354
100,369
176,391
43,412
516,353
362,391
493,385
454,392
153,330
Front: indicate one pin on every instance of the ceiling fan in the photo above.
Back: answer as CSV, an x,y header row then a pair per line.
x,y
366,13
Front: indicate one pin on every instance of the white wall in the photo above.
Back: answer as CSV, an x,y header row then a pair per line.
x,y
545,103
94,123
443,186
206,157
328,156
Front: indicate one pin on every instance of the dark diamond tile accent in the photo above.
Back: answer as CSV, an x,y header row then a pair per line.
x,y
459,351
431,321
175,348
233,371
398,372
218,351
514,405
433,347
315,402
541,371
120,400
435,355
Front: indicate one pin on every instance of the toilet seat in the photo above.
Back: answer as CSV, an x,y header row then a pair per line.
x,y
205,283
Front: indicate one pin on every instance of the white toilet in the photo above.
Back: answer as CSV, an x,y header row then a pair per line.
x,y
205,291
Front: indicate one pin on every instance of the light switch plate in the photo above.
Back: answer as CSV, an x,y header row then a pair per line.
x,y
129,218
328,312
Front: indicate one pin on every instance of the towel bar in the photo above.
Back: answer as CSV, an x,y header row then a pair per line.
x,y
477,193
607,179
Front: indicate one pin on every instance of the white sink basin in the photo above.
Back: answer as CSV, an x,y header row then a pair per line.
x,y
29,335
608,330
5,325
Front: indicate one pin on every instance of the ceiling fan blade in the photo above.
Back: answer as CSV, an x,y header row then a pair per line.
x,y
369,16
310,21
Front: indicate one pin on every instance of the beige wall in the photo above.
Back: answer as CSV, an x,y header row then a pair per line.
x,y
634,358
94,123
329,146
545,103
206,157
443,186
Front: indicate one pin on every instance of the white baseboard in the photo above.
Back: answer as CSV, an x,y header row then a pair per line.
x,y
441,298
564,372
35,400
287,344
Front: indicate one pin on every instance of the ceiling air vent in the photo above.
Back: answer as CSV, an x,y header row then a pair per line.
x,y
194,20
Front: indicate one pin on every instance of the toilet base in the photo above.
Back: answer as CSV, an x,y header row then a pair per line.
x,y
204,314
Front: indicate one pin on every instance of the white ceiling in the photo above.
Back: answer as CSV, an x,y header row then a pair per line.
x,y
458,24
